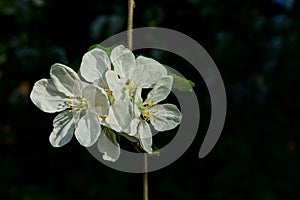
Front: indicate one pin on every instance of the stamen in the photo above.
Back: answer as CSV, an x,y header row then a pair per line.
x,y
149,104
147,114
76,104
109,95
131,87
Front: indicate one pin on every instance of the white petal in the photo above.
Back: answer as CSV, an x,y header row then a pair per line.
x,y
134,105
46,96
138,96
147,71
160,90
64,78
108,145
112,79
121,113
145,135
78,86
122,59
97,100
100,82
118,91
94,64
133,128
63,129
111,121
166,117
88,129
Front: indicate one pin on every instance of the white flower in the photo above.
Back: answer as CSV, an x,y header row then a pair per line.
x,y
107,92
162,117
82,106
127,75
130,73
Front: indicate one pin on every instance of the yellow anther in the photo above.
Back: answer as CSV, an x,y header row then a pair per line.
x,y
109,95
150,103
145,112
146,115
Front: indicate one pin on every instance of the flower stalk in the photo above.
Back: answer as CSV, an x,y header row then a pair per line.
x,y
145,178
131,5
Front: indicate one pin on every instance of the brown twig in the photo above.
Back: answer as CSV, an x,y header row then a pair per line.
x,y
145,178
131,5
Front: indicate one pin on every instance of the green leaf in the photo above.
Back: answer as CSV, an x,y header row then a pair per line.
x,y
155,150
182,84
154,147
93,46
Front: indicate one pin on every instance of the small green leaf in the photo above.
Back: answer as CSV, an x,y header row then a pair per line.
x,y
182,84
155,150
93,46
154,147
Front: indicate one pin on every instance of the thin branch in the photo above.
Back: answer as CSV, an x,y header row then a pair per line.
x,y
145,178
131,6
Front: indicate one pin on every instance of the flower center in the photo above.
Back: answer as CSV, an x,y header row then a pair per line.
x,y
146,112
76,104
131,86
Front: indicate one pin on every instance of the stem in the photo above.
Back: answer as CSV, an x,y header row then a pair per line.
x,y
145,178
131,6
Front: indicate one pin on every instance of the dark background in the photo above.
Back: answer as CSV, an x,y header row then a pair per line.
x,y
254,44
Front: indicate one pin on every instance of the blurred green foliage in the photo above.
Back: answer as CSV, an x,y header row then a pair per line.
x,y
255,45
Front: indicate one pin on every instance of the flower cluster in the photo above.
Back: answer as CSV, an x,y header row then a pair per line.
x,y
105,98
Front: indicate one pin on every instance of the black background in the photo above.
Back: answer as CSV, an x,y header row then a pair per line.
x,y
254,44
